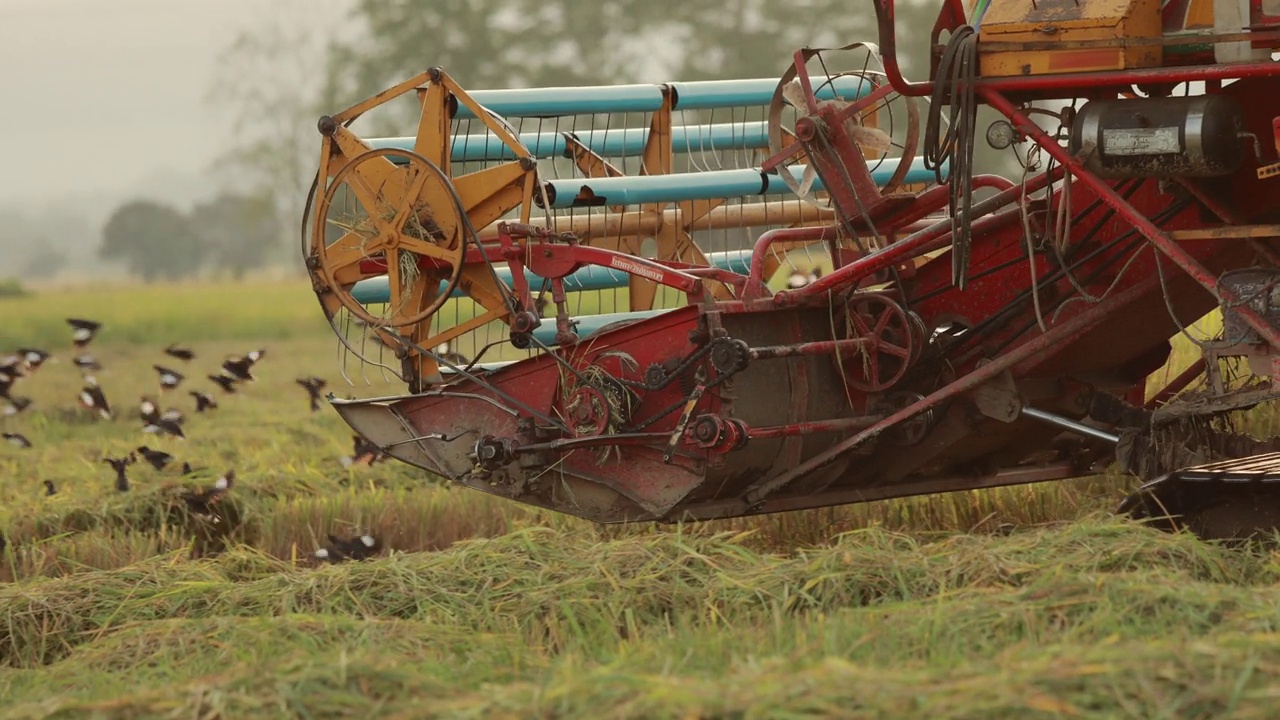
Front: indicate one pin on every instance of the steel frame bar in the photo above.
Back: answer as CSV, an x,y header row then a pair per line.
x,y
917,242
817,347
1230,217
1176,385
1154,235
1056,336
813,427
760,252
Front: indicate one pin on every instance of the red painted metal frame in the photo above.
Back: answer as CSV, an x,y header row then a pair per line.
x,y
918,243
813,427
1177,385
1157,237
1060,334
556,261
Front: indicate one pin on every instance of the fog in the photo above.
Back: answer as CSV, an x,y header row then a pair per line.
x,y
106,100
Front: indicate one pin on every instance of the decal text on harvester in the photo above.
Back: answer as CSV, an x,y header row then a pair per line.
x,y
636,268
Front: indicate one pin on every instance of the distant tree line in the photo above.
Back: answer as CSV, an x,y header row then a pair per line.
x,y
298,62
230,234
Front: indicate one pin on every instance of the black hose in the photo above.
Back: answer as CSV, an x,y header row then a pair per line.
x,y
954,87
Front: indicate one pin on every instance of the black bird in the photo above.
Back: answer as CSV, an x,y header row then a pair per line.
x,y
87,363
6,384
366,453
203,401
121,466
228,384
239,368
356,548
83,331
201,501
164,427
157,458
186,468
799,279
17,440
32,358
49,488
17,405
92,398
313,386
453,358
169,379
181,353
12,366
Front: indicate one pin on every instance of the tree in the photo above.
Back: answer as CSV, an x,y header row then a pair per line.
x,y
153,240
269,84
44,262
527,43
238,231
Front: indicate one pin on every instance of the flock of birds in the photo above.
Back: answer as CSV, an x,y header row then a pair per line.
x,y
235,372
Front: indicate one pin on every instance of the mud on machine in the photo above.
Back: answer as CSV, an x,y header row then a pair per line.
x,y
576,285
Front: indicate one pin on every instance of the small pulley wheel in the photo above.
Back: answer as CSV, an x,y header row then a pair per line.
x,y
913,430
889,348
587,411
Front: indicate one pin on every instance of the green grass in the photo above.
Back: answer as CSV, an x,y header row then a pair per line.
x,y
1019,602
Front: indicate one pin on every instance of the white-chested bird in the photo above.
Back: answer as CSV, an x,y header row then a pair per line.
x,y
92,398
17,439
83,331
169,379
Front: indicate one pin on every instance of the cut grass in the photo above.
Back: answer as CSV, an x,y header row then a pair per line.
x,y
1098,615
1027,601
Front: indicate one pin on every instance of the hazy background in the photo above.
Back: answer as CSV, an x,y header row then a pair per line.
x,y
198,117
109,100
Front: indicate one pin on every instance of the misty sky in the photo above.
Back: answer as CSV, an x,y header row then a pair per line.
x,y
102,94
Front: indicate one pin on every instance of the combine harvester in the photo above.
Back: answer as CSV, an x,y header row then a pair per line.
x,y
577,285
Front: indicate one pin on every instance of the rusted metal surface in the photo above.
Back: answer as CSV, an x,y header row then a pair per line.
x,y
737,401
1227,232
1060,334
1153,234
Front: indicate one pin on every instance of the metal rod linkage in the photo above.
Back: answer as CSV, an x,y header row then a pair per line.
x,y
1068,424
1058,334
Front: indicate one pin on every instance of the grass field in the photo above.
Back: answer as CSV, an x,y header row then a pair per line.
x,y
1022,602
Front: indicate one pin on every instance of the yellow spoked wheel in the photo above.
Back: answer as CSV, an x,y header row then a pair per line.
x,y
390,211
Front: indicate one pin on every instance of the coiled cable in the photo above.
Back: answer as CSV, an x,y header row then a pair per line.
x,y
953,150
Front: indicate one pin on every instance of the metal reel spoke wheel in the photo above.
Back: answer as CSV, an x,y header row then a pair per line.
x,y
398,217
895,114
891,342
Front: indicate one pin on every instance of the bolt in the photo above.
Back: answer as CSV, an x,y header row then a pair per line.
x,y
327,126
806,129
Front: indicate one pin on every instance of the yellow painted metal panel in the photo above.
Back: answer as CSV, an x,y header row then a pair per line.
x,y
1066,23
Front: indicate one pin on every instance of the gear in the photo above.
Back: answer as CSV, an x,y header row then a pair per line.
x,y
730,356
655,375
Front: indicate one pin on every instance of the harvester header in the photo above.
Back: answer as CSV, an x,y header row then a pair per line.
x,y
590,293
